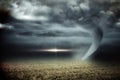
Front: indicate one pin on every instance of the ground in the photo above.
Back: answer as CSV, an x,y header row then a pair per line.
x,y
72,70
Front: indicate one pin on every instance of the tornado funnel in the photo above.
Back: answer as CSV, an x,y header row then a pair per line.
x,y
97,35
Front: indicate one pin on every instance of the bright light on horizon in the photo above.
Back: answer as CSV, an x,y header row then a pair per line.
x,y
56,50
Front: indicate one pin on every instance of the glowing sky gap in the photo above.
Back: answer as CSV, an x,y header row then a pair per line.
x,y
55,50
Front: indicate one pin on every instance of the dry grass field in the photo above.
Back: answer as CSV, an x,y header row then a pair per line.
x,y
61,71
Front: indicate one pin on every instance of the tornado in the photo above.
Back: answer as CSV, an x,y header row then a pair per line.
x,y
97,36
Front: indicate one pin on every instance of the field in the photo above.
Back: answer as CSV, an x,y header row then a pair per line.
x,y
61,71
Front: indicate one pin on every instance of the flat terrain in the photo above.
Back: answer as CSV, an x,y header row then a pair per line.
x,y
61,71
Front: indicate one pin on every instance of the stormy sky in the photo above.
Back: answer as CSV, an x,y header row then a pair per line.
x,y
89,28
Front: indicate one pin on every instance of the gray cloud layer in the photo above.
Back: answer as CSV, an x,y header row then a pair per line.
x,y
63,19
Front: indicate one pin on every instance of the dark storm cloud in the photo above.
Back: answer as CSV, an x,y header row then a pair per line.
x,y
68,14
53,22
47,36
39,30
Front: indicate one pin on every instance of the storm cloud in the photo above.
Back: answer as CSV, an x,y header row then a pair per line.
x,y
53,22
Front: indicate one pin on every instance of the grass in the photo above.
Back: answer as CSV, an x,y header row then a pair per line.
x,y
61,71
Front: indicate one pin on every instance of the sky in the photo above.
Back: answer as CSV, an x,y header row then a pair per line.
x,y
89,29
